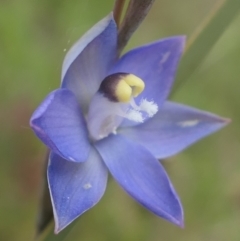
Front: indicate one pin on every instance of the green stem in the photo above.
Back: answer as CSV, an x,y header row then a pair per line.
x,y
49,235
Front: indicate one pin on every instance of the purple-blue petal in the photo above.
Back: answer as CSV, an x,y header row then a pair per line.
x,y
174,128
142,176
59,123
75,187
155,64
88,61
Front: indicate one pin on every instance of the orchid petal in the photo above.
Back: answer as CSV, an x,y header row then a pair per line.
x,y
174,128
75,187
142,176
59,123
88,61
155,64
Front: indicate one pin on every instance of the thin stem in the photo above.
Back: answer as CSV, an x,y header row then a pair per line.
x,y
117,11
135,14
45,213
61,236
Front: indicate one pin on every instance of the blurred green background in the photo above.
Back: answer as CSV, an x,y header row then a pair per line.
x,y
34,36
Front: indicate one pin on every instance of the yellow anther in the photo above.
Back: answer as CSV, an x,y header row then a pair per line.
x,y
123,91
129,86
136,83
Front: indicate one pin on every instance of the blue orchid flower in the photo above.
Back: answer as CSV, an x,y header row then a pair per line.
x,y
111,114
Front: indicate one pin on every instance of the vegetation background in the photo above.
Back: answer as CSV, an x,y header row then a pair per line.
x,y
34,37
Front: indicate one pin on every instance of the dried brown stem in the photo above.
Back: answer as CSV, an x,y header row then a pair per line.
x,y
135,14
117,11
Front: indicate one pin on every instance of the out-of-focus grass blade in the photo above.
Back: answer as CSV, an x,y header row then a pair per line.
x,y
201,42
